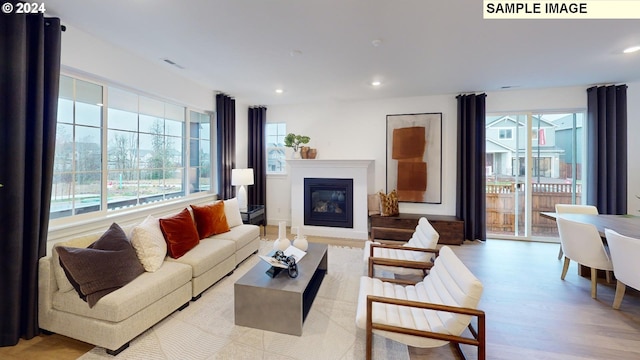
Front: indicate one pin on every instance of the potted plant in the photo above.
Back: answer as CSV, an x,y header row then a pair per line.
x,y
294,141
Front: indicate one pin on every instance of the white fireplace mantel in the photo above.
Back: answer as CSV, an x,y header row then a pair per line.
x,y
362,173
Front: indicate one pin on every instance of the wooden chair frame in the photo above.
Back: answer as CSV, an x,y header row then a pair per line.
x,y
478,338
424,266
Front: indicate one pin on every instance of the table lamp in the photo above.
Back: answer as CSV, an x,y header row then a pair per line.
x,y
242,177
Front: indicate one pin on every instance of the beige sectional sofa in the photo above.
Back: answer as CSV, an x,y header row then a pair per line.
x,y
122,315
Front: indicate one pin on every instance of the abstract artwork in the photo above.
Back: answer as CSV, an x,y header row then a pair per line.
x,y
414,157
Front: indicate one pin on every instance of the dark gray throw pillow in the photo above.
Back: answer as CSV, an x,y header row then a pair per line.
x,y
103,267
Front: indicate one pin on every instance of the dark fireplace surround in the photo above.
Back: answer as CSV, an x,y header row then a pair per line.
x,y
328,202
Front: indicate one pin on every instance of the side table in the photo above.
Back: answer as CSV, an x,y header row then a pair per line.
x,y
255,215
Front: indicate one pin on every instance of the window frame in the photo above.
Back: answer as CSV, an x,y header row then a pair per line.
x,y
282,149
104,211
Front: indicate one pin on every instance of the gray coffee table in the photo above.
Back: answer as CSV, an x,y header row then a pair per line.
x,y
281,303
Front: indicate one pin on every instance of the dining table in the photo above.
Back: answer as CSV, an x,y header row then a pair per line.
x,y
628,225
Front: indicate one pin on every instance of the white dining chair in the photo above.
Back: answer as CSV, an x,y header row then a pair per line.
x,y
625,252
574,209
582,243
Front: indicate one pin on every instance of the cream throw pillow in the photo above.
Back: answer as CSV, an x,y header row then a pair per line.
x,y
149,243
232,212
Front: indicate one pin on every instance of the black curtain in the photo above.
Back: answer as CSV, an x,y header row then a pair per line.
x,y
30,73
607,148
471,200
257,194
226,124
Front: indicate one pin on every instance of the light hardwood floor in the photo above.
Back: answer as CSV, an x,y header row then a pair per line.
x,y
531,313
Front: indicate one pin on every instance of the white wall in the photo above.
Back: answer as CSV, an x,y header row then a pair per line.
x,y
357,130
83,53
339,130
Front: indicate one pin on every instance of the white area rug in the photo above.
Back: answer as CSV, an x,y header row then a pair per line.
x,y
206,329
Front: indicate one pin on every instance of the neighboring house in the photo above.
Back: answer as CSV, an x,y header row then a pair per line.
x,y
505,147
276,162
565,137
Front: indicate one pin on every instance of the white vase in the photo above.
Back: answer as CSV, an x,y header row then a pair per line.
x,y
301,242
282,243
296,154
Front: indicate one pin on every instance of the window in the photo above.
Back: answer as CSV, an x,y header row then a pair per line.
x,y
506,134
145,149
542,166
135,155
200,156
77,168
276,163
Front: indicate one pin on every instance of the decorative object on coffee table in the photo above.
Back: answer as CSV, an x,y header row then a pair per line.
x,y
282,243
301,242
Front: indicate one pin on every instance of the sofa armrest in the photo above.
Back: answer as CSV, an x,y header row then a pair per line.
x,y
47,285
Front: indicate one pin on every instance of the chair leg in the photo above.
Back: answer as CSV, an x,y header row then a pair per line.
x,y
565,267
594,282
560,253
607,273
620,288
369,349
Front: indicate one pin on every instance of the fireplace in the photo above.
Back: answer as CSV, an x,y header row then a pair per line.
x,y
328,202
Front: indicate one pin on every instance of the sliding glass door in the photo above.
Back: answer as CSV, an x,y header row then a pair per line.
x,y
533,162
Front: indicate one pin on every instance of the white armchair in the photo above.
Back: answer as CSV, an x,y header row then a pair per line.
x,y
431,313
574,209
625,252
582,243
418,251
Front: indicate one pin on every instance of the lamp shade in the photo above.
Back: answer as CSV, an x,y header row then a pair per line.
x,y
241,177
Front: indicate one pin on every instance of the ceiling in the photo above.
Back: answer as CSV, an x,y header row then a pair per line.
x,y
324,50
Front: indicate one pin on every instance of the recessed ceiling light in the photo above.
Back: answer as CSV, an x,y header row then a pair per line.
x,y
279,91
376,83
631,49
295,52
376,42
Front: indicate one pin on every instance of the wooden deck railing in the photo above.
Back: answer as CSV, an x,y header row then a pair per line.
x,y
501,207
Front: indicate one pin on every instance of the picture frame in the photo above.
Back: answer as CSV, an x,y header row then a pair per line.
x,y
414,157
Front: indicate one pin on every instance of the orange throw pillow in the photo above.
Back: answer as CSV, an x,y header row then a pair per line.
x,y
210,219
180,233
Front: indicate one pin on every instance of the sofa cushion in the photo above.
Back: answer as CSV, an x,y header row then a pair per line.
x,y
103,267
180,233
240,235
121,304
149,243
210,219
80,242
232,211
207,254
373,204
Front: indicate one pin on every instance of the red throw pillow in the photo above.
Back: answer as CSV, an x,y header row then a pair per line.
x,y
210,219
180,233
